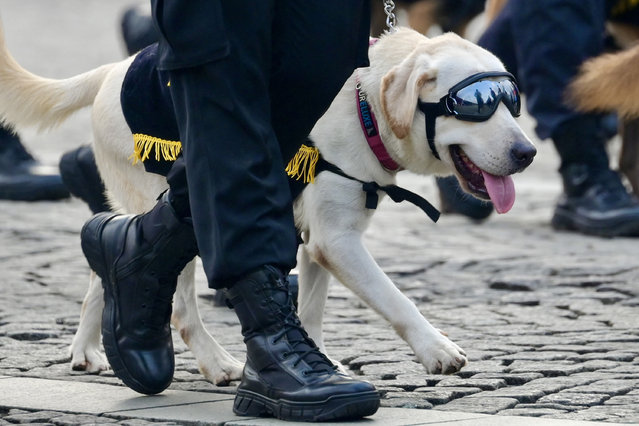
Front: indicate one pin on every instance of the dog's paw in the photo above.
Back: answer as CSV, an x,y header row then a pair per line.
x,y
221,372
88,360
442,356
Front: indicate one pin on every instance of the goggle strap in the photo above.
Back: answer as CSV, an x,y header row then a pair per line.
x,y
431,112
430,134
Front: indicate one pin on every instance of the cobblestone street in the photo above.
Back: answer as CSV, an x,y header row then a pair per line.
x,y
550,320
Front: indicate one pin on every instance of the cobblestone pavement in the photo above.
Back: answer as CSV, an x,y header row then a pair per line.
x,y
550,320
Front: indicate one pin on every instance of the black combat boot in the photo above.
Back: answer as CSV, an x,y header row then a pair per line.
x,y
285,375
596,202
139,259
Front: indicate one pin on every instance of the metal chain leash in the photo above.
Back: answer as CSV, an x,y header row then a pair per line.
x,y
391,20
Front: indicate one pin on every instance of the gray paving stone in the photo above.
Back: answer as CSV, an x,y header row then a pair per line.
x,y
90,398
140,422
441,395
406,382
484,384
521,394
608,387
405,400
479,405
80,419
392,370
575,398
539,312
532,412
510,378
554,368
21,416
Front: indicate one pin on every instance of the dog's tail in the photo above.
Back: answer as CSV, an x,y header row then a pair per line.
x,y
608,83
29,100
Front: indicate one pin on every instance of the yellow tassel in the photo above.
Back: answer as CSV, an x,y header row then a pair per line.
x,y
164,149
302,166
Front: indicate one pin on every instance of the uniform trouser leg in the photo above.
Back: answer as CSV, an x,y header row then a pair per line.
x,y
228,112
551,39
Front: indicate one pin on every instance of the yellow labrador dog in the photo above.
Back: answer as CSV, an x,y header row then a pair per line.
x,y
443,106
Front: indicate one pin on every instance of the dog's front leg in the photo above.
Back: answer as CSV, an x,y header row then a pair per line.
x,y
313,291
214,362
85,347
345,256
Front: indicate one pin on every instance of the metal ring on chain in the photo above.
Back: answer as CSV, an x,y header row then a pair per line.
x,y
391,20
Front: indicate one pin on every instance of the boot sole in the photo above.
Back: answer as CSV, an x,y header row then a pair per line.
x,y
335,408
90,238
620,227
33,188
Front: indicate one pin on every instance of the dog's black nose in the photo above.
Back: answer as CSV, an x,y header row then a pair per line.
x,y
523,154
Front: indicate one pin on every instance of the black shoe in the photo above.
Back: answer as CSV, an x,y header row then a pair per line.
x,y
596,203
32,183
454,200
80,175
22,178
139,259
285,375
138,30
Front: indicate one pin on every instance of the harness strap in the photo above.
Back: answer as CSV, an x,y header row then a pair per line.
x,y
396,193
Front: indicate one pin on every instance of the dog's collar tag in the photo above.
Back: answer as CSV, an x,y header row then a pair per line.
x,y
371,131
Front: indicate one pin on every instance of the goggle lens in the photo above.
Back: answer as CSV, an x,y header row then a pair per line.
x,y
479,100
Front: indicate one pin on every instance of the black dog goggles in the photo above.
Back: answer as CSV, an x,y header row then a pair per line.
x,y
475,98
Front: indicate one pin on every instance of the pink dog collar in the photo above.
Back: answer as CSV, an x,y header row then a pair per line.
x,y
369,126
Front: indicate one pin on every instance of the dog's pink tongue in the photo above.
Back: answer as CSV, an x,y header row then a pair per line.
x,y
501,190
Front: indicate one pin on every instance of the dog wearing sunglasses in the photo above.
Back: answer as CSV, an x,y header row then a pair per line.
x,y
469,131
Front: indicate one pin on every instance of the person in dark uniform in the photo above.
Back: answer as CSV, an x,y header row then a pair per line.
x,y
248,80
544,43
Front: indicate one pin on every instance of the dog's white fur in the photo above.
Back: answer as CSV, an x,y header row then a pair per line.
x,y
405,66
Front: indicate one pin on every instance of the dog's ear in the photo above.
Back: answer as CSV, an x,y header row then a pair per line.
x,y
400,90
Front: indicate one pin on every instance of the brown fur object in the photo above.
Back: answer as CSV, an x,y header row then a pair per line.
x,y
608,83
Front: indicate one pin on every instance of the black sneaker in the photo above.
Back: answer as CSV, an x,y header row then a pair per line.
x,y
80,175
596,203
22,178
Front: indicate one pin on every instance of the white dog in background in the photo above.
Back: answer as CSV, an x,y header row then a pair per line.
x,y
406,68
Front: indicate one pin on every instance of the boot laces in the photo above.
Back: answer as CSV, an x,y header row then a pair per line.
x,y
303,346
609,187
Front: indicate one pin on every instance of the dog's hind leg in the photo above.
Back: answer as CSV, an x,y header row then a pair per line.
x,y
214,362
346,257
85,347
313,292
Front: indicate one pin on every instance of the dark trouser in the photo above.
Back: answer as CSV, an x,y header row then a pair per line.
x,y
242,117
544,42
